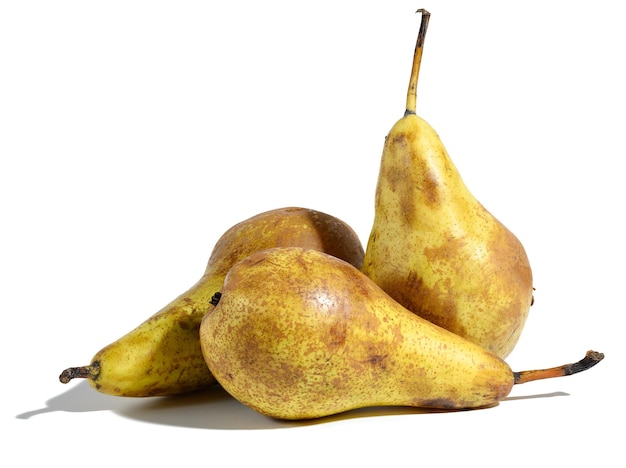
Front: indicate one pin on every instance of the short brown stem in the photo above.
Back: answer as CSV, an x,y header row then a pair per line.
x,y
84,372
590,360
216,298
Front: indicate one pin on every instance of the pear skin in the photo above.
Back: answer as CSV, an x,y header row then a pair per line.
x,y
162,356
299,334
435,248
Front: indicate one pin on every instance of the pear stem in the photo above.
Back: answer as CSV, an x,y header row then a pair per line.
x,y
411,95
215,300
590,360
84,372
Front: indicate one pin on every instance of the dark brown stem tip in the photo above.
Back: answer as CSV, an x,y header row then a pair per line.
x,y
73,373
590,360
84,372
423,26
216,298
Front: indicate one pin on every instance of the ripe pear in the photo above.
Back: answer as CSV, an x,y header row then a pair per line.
x,y
299,334
435,248
162,356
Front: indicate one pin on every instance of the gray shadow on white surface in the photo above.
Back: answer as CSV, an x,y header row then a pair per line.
x,y
539,395
209,409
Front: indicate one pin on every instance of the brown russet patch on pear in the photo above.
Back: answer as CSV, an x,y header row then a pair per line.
x,y
393,174
510,252
284,227
426,302
430,186
377,360
427,182
398,174
447,256
331,233
438,403
337,334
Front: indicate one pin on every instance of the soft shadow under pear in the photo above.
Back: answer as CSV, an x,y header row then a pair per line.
x,y
213,409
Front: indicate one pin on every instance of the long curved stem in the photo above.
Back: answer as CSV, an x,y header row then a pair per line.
x,y
411,95
590,360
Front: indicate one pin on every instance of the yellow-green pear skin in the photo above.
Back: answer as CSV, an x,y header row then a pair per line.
x,y
162,356
300,334
435,248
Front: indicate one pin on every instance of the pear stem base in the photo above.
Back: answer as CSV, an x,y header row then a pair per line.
x,y
590,360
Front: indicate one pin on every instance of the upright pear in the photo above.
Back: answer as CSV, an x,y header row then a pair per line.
x,y
162,356
434,247
299,334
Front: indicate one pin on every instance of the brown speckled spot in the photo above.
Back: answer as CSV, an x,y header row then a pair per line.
x,y
337,334
377,360
440,403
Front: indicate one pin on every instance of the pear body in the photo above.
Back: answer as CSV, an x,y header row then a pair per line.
x,y
299,334
162,356
435,248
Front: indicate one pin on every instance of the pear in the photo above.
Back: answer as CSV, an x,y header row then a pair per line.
x,y
299,334
434,247
162,356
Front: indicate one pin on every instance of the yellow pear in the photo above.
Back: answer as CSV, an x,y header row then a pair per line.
x,y
435,248
299,334
162,356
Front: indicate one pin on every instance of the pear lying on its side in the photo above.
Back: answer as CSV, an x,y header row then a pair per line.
x,y
299,334
162,356
435,248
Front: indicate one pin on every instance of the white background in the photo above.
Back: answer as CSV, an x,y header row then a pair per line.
x,y
133,134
